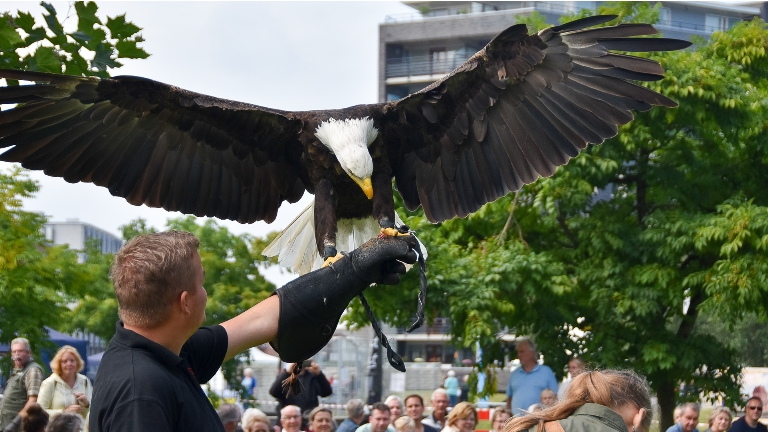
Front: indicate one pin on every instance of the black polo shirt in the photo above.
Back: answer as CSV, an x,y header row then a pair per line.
x,y
142,386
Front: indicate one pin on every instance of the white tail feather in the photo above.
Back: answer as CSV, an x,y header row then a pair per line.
x,y
296,249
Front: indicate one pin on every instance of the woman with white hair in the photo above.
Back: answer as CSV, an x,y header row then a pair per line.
x,y
395,408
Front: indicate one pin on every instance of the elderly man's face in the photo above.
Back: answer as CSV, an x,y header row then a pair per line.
x,y
291,420
20,355
379,420
395,410
526,354
689,420
440,402
548,397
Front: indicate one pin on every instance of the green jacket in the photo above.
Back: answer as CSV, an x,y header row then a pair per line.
x,y
592,418
15,395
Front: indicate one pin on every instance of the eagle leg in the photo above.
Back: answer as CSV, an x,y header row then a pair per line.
x,y
384,206
325,220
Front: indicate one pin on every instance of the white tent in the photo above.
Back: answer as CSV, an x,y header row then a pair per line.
x,y
259,356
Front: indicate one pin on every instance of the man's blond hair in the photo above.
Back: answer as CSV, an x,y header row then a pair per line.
x,y
149,272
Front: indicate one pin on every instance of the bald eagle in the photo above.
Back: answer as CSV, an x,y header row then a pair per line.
x,y
520,107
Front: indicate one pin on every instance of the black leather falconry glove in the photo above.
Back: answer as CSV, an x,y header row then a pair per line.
x,y
311,306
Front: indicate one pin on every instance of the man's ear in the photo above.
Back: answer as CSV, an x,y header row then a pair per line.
x,y
183,301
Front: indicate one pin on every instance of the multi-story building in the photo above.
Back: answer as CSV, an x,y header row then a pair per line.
x,y
419,48
76,234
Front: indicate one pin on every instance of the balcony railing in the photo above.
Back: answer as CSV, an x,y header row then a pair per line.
x,y
541,7
690,26
422,65
439,326
439,13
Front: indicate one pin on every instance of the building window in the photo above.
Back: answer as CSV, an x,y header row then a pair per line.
x,y
665,16
438,60
434,353
715,23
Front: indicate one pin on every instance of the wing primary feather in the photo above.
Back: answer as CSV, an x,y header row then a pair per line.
x,y
589,36
583,23
644,44
619,102
623,88
597,107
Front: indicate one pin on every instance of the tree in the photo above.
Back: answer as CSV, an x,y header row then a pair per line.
x,y
748,337
37,280
615,256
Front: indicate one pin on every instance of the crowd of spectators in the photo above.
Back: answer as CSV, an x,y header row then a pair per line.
x,y
61,402
58,403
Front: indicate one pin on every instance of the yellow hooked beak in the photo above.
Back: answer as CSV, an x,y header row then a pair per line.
x,y
365,185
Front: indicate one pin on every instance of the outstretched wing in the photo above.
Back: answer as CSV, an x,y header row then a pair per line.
x,y
155,144
518,109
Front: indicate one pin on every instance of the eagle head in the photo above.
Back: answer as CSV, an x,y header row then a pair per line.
x,y
348,140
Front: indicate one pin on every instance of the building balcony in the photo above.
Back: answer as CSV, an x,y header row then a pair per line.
x,y
462,10
422,66
440,326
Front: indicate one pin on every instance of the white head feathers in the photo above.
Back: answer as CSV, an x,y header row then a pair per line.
x,y
349,140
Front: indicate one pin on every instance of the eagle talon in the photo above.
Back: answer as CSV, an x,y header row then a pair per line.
x,y
332,259
392,232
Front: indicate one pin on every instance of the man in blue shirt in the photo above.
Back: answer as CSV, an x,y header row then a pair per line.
x,y
689,418
527,382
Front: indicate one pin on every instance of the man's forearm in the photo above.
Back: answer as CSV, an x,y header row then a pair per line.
x,y
30,401
253,327
509,403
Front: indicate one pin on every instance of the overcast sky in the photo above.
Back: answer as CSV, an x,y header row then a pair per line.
x,y
286,55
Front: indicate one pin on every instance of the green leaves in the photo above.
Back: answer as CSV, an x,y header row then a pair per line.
x,y
120,28
45,60
129,49
51,48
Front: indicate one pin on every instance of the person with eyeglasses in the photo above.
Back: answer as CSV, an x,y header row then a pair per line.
x,y
290,418
750,421
499,419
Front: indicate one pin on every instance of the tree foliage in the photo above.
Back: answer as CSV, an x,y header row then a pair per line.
x,y
614,257
91,49
37,280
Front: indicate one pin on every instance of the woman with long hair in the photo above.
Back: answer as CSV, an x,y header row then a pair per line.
x,y
720,419
598,401
462,418
66,390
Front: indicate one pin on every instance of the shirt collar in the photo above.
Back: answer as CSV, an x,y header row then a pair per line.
x,y
133,340
605,414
